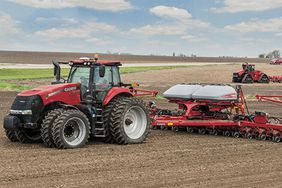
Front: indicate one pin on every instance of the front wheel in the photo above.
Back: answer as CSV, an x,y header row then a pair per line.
x,y
129,121
71,130
46,127
11,135
28,136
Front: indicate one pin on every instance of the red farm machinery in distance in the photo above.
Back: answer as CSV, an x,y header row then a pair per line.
x,y
248,74
214,109
275,62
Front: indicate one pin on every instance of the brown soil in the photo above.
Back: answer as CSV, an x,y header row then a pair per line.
x,y
47,57
167,159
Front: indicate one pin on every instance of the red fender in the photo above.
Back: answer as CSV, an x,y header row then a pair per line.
x,y
115,91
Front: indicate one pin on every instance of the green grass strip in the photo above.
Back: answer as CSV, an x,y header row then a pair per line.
x,y
33,74
20,74
13,87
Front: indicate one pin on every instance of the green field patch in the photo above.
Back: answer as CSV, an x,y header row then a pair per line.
x,y
8,77
13,87
20,74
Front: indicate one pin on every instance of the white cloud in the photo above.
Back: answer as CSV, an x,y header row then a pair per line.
x,y
111,5
161,29
193,38
84,31
98,41
8,26
180,22
234,6
176,28
258,25
171,12
45,20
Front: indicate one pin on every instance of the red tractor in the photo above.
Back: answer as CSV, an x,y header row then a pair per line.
x,y
249,75
92,101
276,62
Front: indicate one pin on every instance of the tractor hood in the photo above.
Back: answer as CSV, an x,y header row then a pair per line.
x,y
68,93
240,72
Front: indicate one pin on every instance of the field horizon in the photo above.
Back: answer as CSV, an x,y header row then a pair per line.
x,y
34,57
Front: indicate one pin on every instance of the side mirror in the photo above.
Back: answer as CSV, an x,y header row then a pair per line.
x,y
102,70
57,73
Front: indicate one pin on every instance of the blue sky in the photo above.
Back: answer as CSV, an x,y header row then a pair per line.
x,y
159,27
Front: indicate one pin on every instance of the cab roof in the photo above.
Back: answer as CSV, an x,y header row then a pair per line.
x,y
92,61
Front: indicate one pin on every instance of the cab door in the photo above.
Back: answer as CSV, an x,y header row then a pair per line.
x,y
104,84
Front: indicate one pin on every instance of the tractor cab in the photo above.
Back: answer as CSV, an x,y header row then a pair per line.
x,y
96,77
248,67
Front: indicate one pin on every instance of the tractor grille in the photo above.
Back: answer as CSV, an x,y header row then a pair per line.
x,y
33,103
22,103
235,75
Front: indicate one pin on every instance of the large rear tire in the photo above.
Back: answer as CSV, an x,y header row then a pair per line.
x,y
46,127
129,121
106,121
71,130
28,136
11,135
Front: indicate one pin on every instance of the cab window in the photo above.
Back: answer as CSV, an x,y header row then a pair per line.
x,y
103,82
79,74
116,77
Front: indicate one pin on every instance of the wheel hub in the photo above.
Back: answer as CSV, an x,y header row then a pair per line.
x,y
69,131
74,131
135,122
128,122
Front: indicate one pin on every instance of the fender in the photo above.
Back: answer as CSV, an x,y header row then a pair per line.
x,y
115,91
68,106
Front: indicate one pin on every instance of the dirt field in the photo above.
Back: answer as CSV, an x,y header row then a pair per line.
x,y
167,159
47,57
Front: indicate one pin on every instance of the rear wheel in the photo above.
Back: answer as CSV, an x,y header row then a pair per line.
x,y
214,132
28,135
202,131
129,121
277,138
189,129
226,133
236,134
247,79
46,127
71,130
106,121
249,136
11,135
262,136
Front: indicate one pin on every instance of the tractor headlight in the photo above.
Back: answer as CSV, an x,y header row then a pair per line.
x,y
21,112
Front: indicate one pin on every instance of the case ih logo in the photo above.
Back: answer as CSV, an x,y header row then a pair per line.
x,y
69,89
